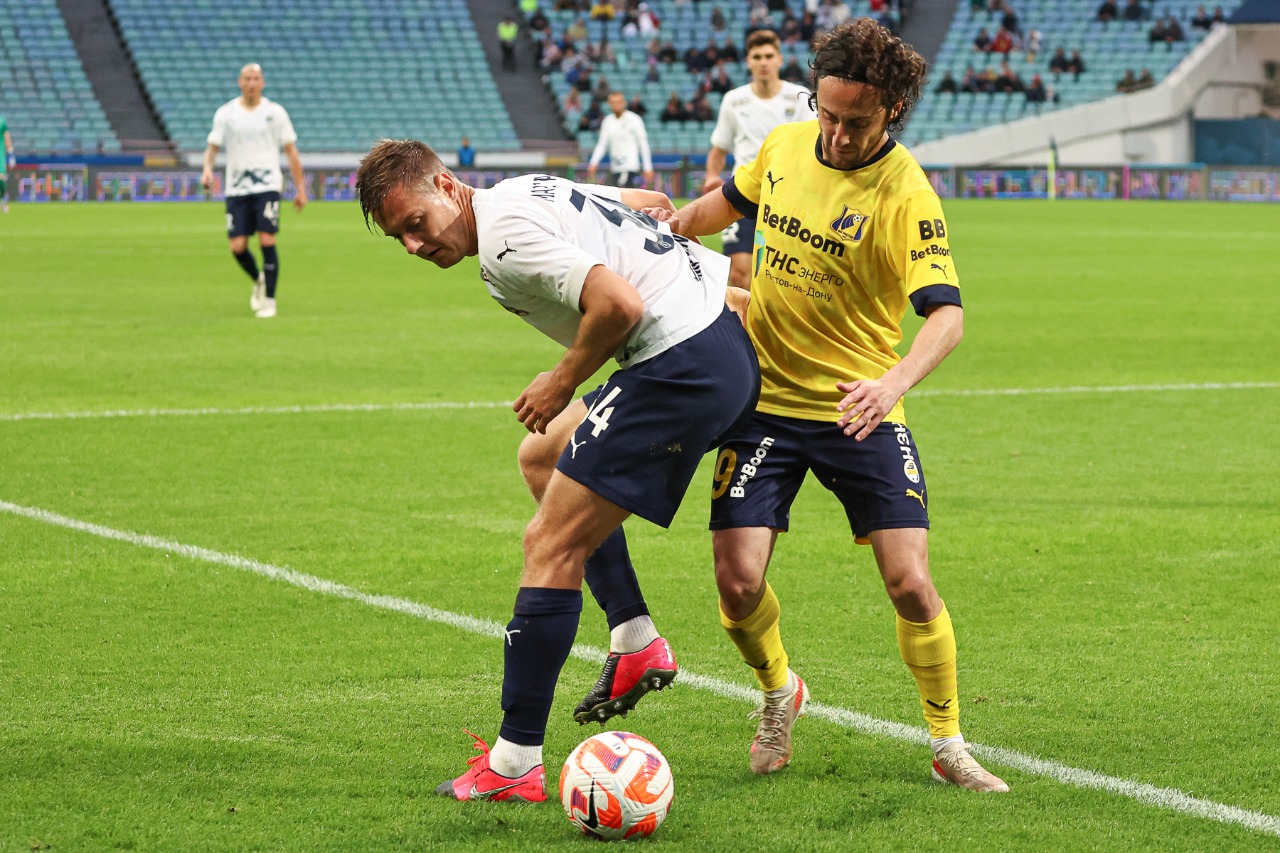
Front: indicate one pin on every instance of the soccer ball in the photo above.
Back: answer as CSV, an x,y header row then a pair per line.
x,y
616,785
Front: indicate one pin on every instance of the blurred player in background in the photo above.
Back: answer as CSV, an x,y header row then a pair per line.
x,y
578,263
624,138
747,114
7,165
254,129
850,233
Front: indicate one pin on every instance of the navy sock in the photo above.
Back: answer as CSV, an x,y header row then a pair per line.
x,y
246,260
271,266
536,646
612,580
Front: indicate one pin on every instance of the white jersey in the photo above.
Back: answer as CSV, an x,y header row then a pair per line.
x,y
252,139
540,235
746,119
627,142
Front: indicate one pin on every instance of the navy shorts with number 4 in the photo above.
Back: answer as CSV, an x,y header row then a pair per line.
x,y
649,425
254,213
759,471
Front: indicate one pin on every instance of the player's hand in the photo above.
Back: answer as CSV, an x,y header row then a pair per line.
x,y
738,299
10,160
591,174
206,179
865,404
538,405
648,179
712,183
299,201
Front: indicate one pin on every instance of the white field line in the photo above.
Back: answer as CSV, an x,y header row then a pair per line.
x,y
481,404
1165,798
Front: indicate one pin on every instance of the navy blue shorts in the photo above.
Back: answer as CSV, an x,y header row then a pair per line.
x,y
250,214
878,480
648,426
739,238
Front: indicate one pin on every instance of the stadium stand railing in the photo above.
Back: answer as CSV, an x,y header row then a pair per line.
x,y
44,93
348,73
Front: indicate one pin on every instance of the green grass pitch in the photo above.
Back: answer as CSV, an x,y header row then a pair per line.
x,y
1109,556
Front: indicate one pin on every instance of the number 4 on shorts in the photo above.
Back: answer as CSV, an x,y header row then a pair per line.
x,y
600,412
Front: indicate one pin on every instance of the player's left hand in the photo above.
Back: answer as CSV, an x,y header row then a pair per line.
x,y
865,403
299,201
538,405
648,179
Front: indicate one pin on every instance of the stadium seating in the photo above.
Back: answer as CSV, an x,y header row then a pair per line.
x,y
349,73
44,93
686,25
1107,49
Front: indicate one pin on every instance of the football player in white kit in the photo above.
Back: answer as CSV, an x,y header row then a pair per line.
x,y
254,129
581,265
624,138
747,114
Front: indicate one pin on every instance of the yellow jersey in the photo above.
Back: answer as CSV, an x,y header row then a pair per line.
x,y
838,256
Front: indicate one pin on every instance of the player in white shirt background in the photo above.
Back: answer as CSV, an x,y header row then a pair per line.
x,y
581,265
747,114
624,138
254,130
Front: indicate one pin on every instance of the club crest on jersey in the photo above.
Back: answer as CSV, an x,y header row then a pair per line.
x,y
850,224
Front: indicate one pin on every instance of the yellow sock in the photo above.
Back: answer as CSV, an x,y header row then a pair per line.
x,y
759,641
929,650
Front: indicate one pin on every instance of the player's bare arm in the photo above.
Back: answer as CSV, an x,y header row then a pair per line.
x,y
295,169
715,165
706,215
647,199
610,308
210,158
867,401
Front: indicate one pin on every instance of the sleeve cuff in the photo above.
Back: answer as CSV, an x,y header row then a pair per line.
x,y
935,294
740,202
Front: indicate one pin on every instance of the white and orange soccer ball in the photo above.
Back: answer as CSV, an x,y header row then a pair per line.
x,y
616,785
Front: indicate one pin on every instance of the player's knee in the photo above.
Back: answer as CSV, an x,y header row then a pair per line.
x,y
537,458
239,244
913,595
739,589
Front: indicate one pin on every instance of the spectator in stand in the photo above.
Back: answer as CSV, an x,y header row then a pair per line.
x,y
576,32
601,53
1173,31
591,117
695,61
719,81
1133,11
790,33
1009,18
674,111
948,84
970,82
1145,80
982,41
729,52
808,26
1158,34
629,27
1127,83
1036,93
667,53
466,154
700,109
833,13
1201,21
603,10
1108,11
1058,62
573,101
1008,80
539,25
652,75
987,80
649,22
792,72
1076,65
1002,43
759,20
1032,45
711,54
718,22
1218,16
637,106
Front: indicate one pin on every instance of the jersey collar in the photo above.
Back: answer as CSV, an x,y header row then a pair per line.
x,y
875,158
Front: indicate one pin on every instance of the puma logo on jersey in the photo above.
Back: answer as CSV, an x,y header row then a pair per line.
x,y
506,251
772,181
940,268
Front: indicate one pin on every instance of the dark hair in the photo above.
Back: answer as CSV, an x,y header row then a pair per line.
x,y
763,37
393,163
862,51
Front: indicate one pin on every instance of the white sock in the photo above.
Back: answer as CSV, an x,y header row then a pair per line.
x,y
941,743
785,690
513,760
632,635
